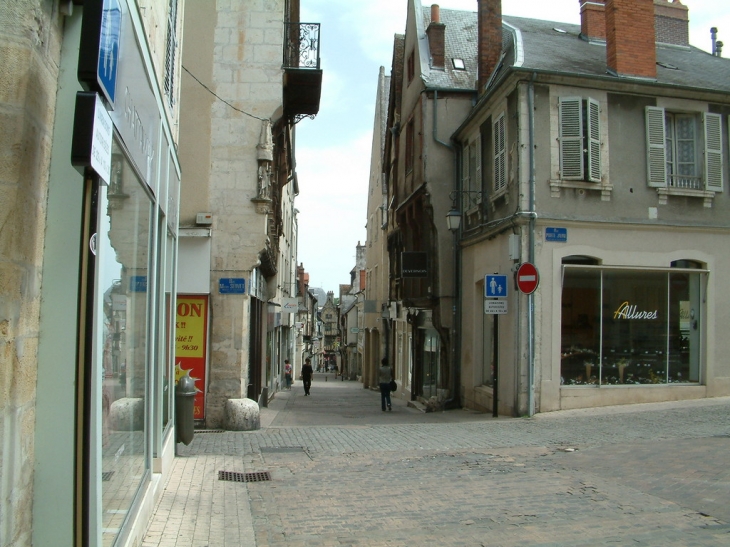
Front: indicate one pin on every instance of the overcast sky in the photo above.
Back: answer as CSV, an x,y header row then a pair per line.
x,y
333,150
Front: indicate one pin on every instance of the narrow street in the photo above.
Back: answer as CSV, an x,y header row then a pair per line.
x,y
334,470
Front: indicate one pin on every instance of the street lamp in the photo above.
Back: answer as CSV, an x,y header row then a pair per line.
x,y
453,217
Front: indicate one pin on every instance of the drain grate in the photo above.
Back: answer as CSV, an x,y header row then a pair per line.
x,y
199,431
235,476
107,475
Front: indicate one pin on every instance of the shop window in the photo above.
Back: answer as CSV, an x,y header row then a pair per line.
x,y
676,145
580,139
123,250
630,327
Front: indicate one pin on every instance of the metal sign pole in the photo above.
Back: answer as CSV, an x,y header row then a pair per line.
x,y
495,381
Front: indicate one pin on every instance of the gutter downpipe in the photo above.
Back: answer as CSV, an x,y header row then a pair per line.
x,y
454,400
531,247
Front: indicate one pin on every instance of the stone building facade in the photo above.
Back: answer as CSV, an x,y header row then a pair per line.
x,y
87,268
245,86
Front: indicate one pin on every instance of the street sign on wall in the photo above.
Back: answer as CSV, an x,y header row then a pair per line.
x,y
527,278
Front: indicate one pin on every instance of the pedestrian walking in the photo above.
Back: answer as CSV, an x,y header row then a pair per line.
x,y
385,375
287,373
307,374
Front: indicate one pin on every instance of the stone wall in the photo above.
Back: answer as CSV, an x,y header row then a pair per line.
x,y
30,44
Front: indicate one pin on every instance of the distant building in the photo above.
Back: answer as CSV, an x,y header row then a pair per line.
x,y
252,70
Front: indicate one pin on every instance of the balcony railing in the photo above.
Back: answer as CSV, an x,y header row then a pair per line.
x,y
301,45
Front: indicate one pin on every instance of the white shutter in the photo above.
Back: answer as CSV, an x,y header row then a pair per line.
x,y
713,151
594,141
498,137
656,154
477,184
570,120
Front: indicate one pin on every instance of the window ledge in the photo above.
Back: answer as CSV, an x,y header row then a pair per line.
x,y
496,197
664,193
556,185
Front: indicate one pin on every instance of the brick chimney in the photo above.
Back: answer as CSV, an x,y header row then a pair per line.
x,y
490,39
671,20
436,32
593,19
630,46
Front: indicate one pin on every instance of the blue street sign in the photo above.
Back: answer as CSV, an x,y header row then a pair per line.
x,y
232,285
495,286
138,283
556,234
111,27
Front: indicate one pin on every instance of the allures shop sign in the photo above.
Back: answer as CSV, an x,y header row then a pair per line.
x,y
629,311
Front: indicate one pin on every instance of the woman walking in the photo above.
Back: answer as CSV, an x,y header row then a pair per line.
x,y
385,375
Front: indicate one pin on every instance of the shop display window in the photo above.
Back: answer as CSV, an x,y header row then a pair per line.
x,y
125,216
630,327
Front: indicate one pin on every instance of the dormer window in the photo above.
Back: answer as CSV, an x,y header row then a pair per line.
x,y
458,64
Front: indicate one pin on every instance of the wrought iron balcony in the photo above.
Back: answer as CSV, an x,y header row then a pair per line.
x,y
302,72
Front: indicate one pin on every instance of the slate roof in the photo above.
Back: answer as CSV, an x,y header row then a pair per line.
x,y
460,43
546,49
534,44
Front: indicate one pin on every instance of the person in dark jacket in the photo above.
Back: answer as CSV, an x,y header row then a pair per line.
x,y
307,374
385,375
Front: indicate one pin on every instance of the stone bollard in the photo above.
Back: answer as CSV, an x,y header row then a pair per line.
x,y
127,414
242,415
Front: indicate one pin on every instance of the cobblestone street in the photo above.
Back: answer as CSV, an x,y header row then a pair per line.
x,y
343,473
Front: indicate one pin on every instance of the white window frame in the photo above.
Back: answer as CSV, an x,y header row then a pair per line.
x,y
708,141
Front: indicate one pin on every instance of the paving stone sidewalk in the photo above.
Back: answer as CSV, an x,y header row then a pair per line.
x,y
343,473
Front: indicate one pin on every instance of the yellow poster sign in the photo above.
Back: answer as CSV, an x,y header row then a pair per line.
x,y
191,330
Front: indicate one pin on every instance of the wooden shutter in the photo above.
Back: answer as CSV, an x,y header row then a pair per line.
x,y
570,119
656,154
713,151
465,167
477,184
594,141
500,179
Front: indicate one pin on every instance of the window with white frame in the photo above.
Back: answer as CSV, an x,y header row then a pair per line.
x,y
684,150
580,139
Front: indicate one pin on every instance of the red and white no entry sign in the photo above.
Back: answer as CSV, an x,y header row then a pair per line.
x,y
527,278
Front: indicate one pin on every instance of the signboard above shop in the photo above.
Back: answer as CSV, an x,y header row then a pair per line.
x,y
101,32
91,143
414,264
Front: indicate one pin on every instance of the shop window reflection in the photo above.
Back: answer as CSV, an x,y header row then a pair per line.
x,y
123,242
630,327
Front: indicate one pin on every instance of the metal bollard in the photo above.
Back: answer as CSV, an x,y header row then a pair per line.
x,y
185,409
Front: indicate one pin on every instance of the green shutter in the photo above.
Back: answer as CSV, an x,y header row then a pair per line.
x,y
656,155
571,138
594,141
713,152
